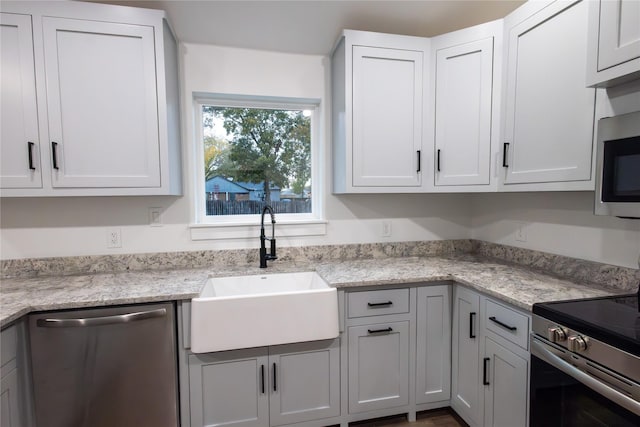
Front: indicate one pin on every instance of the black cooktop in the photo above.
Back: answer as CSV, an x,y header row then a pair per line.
x,y
614,320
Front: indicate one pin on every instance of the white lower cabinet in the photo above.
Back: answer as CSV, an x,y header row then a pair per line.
x,y
433,344
490,363
506,386
465,376
378,366
266,386
14,396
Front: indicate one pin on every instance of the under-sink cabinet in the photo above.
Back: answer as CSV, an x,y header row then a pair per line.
x,y
490,372
89,101
265,386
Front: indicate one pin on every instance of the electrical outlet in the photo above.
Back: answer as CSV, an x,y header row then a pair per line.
x,y
155,217
114,238
386,229
521,232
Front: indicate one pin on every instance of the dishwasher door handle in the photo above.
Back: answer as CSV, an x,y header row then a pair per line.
x,y
100,321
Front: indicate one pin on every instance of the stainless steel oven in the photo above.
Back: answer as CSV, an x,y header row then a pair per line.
x,y
618,166
585,363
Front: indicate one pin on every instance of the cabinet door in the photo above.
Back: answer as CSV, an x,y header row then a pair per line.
x,y
10,409
102,104
619,39
305,382
378,366
506,398
433,370
464,76
229,388
549,112
19,144
466,381
387,117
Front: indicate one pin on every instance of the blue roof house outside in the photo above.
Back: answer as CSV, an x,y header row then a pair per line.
x,y
221,188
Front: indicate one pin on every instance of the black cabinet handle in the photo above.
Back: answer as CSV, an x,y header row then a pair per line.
x,y
438,161
262,378
54,154
30,146
505,147
504,325
471,325
485,371
377,331
380,304
275,381
418,161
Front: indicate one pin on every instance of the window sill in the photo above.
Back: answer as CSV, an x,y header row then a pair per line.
x,y
252,230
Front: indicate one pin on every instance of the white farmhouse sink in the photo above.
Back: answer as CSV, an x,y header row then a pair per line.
x,y
262,310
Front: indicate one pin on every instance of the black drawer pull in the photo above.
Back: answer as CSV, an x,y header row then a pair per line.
x,y
419,166
30,146
472,332
504,325
377,331
380,304
262,378
438,161
485,371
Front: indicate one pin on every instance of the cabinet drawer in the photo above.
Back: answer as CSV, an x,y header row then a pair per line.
x,y
377,303
507,323
8,344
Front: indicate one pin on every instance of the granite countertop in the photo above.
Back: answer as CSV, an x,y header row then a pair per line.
x,y
510,283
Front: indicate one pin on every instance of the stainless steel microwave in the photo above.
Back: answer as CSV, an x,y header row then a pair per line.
x,y
618,166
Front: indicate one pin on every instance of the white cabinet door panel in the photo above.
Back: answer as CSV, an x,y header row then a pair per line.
x,y
466,383
619,40
102,102
433,370
378,366
463,113
387,116
549,112
506,394
19,139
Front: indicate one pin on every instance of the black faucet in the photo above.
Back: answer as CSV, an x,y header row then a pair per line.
x,y
264,256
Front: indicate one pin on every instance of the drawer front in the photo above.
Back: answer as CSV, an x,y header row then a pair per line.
x,y
377,303
507,323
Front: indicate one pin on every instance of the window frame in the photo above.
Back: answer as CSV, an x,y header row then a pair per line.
x,y
315,219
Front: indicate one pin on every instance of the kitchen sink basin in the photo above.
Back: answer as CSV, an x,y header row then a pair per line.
x,y
262,310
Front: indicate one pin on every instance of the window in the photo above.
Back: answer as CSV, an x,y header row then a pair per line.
x,y
252,152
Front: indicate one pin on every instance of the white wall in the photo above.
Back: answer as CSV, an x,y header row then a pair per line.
x,y
42,227
560,223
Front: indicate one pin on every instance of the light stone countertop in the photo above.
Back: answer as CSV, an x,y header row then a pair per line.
x,y
510,283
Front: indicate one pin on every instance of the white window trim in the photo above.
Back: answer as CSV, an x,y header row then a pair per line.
x,y
248,226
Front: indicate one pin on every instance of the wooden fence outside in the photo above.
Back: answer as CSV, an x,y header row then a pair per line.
x,y
249,207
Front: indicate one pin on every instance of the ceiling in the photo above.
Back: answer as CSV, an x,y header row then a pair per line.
x,y
312,27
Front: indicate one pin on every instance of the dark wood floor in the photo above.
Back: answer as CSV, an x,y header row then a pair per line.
x,y
435,418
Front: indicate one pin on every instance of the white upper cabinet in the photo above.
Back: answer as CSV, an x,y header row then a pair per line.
x,y
549,114
614,42
378,94
463,89
101,98
20,165
105,80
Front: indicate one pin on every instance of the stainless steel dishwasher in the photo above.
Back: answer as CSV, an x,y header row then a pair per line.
x,y
105,367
